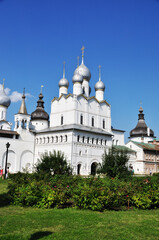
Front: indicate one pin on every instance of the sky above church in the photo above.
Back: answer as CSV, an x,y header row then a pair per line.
x,y
37,36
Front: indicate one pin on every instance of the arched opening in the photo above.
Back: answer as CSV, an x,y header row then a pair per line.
x,y
94,168
78,169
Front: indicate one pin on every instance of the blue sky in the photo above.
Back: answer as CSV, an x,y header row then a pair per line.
x,y
120,35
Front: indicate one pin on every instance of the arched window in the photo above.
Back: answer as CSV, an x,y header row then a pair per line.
x,y
97,141
78,138
52,139
101,142
81,119
103,124
92,121
47,139
56,138
78,169
40,140
87,139
105,142
61,120
65,138
61,138
43,140
92,140
83,139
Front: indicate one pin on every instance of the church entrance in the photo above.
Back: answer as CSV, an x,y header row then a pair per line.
x,y
78,169
94,168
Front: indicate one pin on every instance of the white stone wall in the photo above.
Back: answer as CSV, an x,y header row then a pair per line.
x,y
118,138
71,108
20,154
139,164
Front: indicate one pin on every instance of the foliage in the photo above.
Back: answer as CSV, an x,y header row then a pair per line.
x,y
92,193
114,163
53,164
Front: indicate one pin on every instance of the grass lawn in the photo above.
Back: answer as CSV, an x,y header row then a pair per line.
x,y
32,223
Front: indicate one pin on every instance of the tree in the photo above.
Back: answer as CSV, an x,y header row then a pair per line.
x,y
54,164
114,163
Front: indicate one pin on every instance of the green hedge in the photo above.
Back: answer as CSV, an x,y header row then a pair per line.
x,y
84,193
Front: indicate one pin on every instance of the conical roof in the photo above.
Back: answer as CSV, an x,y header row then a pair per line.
x,y
141,129
22,109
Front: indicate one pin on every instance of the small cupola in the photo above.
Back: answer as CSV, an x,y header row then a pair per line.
x,y
63,83
100,87
40,118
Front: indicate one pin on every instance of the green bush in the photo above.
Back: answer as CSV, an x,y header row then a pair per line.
x,y
92,193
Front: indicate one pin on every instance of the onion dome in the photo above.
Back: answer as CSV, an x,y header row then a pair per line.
x,y
141,129
39,113
63,81
77,78
82,69
99,85
4,99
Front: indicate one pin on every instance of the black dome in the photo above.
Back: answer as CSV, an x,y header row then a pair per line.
x,y
39,113
141,128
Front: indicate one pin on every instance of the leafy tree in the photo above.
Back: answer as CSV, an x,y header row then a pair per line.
x,y
53,164
114,163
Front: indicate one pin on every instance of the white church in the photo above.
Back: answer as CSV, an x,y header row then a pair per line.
x,y
79,125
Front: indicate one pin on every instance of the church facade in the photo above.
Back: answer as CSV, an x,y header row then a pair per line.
x,y
79,126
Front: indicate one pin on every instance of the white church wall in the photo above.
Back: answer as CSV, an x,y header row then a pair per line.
x,y
17,147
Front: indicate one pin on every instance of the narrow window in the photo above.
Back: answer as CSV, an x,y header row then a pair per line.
x,y
87,139
81,119
92,140
78,138
65,138
83,139
103,124
61,138
56,139
61,120
105,142
92,121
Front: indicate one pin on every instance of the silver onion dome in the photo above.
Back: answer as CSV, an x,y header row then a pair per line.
x,y
63,83
83,71
77,78
4,99
99,86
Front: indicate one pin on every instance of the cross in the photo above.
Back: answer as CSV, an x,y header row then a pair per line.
x,y
64,69
77,61
82,50
99,72
41,88
3,82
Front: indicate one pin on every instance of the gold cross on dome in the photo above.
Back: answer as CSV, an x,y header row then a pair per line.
x,y
99,72
77,61
3,82
83,50
41,88
64,69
